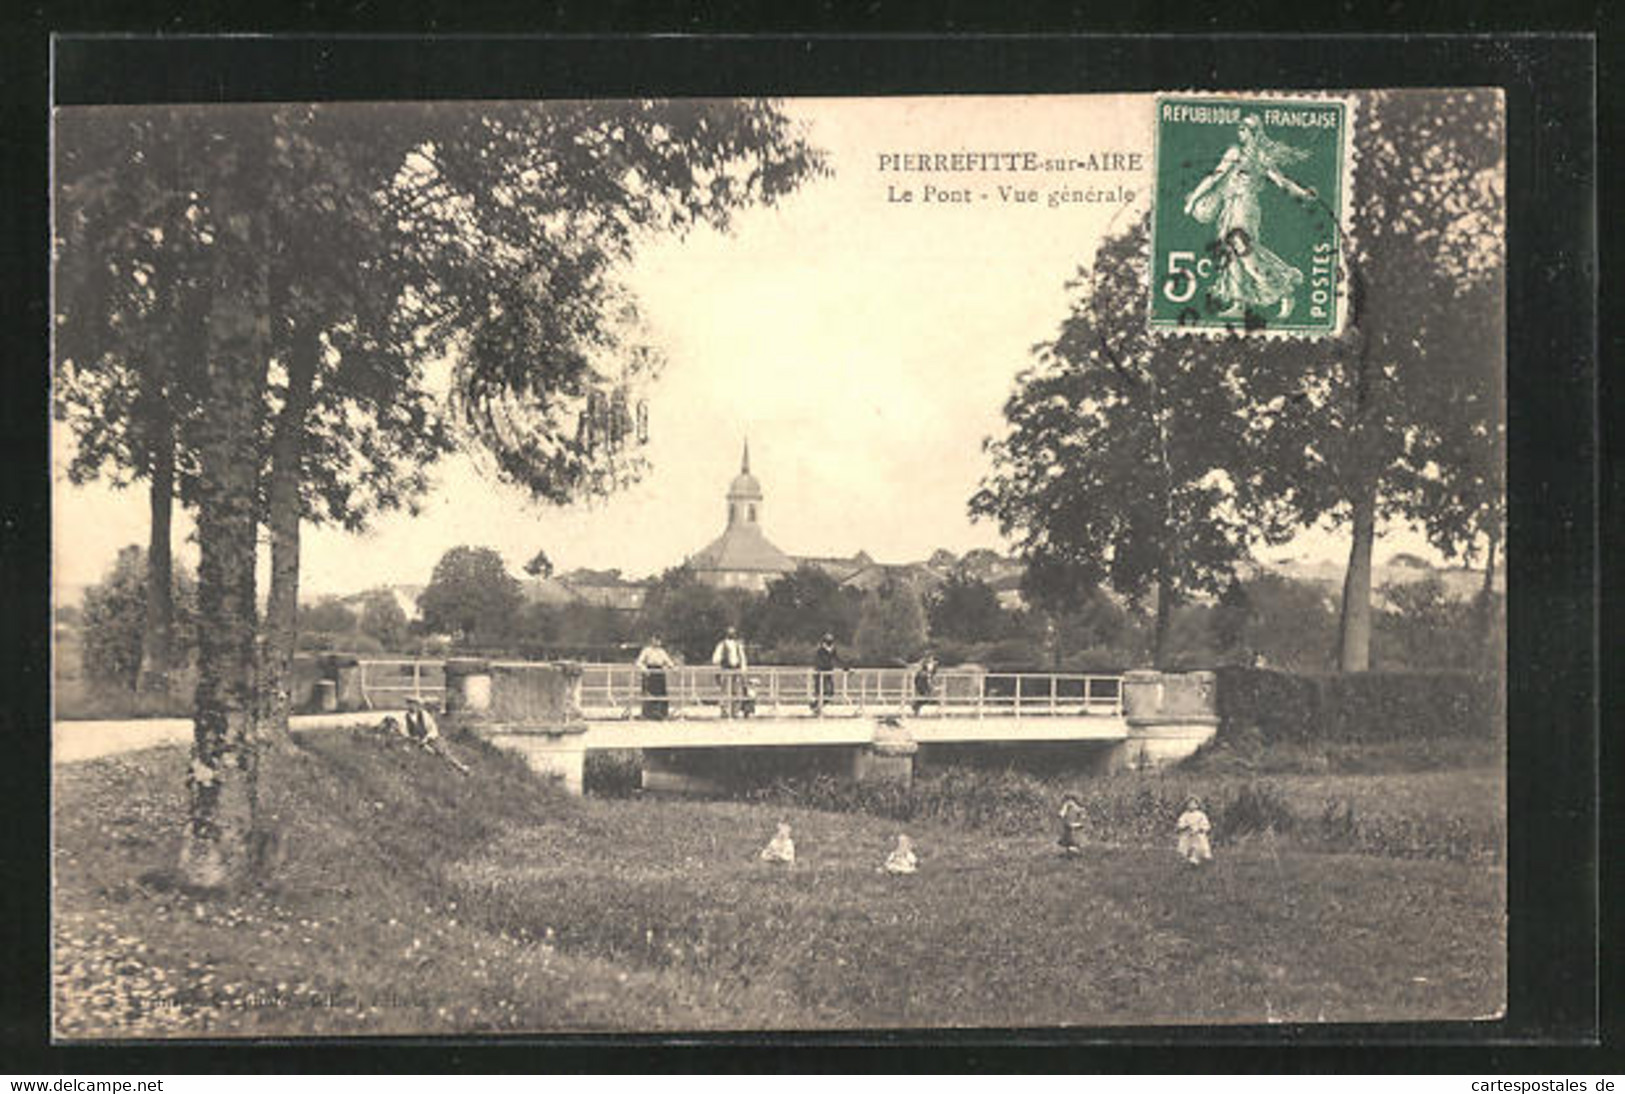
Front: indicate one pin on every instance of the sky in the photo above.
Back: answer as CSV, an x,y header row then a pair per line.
x,y
863,344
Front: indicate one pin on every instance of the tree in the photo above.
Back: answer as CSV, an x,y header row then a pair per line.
x,y
1230,620
114,622
127,252
1117,466
540,565
350,245
1403,417
804,605
329,615
383,619
689,614
222,779
1424,627
966,609
892,626
1291,623
471,596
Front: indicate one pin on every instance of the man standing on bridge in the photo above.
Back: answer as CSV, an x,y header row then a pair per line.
x,y
825,661
729,657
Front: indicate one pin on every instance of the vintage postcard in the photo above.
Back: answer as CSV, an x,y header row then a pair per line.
x,y
534,567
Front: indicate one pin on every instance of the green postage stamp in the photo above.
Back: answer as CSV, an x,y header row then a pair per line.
x,y
1251,203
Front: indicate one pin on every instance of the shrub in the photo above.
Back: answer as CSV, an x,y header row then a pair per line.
x,y
1370,707
613,773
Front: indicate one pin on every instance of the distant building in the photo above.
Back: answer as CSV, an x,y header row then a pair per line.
x,y
742,557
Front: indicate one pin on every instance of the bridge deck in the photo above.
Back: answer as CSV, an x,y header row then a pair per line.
x,y
767,731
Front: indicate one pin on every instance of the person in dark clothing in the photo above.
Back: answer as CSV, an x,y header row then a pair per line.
x,y
925,682
826,659
654,662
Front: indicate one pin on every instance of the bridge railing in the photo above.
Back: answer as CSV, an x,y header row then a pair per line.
x,y
777,691
387,684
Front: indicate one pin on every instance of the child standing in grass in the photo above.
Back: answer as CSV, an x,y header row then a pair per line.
x,y
781,848
1193,829
1071,824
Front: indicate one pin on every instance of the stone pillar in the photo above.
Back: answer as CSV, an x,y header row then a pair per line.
x,y
531,710
889,757
468,687
345,672
1169,714
560,756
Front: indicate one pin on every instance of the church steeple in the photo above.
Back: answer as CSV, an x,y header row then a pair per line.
x,y
745,494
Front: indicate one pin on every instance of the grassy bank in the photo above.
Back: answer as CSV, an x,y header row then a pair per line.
x,y
410,899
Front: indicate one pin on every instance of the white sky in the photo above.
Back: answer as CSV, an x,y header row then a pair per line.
x,y
864,346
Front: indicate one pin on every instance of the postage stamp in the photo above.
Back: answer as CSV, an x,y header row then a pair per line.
x,y
1249,199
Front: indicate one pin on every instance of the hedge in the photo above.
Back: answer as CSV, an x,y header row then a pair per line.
x,y
1367,706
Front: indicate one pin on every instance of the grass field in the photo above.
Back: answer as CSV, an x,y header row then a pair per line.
x,y
412,900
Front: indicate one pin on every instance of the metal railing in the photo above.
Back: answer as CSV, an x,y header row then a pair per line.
x,y
777,691
381,680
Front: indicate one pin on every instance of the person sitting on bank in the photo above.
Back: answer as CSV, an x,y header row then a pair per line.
x,y
925,682
654,662
826,659
729,657
420,722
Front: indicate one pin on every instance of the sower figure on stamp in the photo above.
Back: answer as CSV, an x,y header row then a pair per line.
x,y
729,658
1251,275
653,663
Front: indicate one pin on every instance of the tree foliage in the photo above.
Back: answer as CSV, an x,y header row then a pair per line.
x,y
690,615
804,605
966,609
471,596
113,619
892,626
329,615
313,259
1404,416
383,619
1120,462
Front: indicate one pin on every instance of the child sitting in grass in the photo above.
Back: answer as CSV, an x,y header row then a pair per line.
x,y
1193,828
1071,824
902,860
781,848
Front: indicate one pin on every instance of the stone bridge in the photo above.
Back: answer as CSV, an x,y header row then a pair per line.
x,y
711,728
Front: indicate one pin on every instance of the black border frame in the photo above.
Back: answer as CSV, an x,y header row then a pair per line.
x,y
1554,462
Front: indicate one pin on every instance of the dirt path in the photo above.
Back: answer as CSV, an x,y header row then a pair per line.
x,y
86,740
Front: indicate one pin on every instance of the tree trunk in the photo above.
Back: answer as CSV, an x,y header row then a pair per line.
x,y
158,637
1164,620
280,632
1487,630
222,782
1354,623
1354,616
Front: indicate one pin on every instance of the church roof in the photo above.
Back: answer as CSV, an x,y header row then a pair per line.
x,y
742,547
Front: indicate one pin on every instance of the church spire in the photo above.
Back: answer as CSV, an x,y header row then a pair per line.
x,y
744,464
